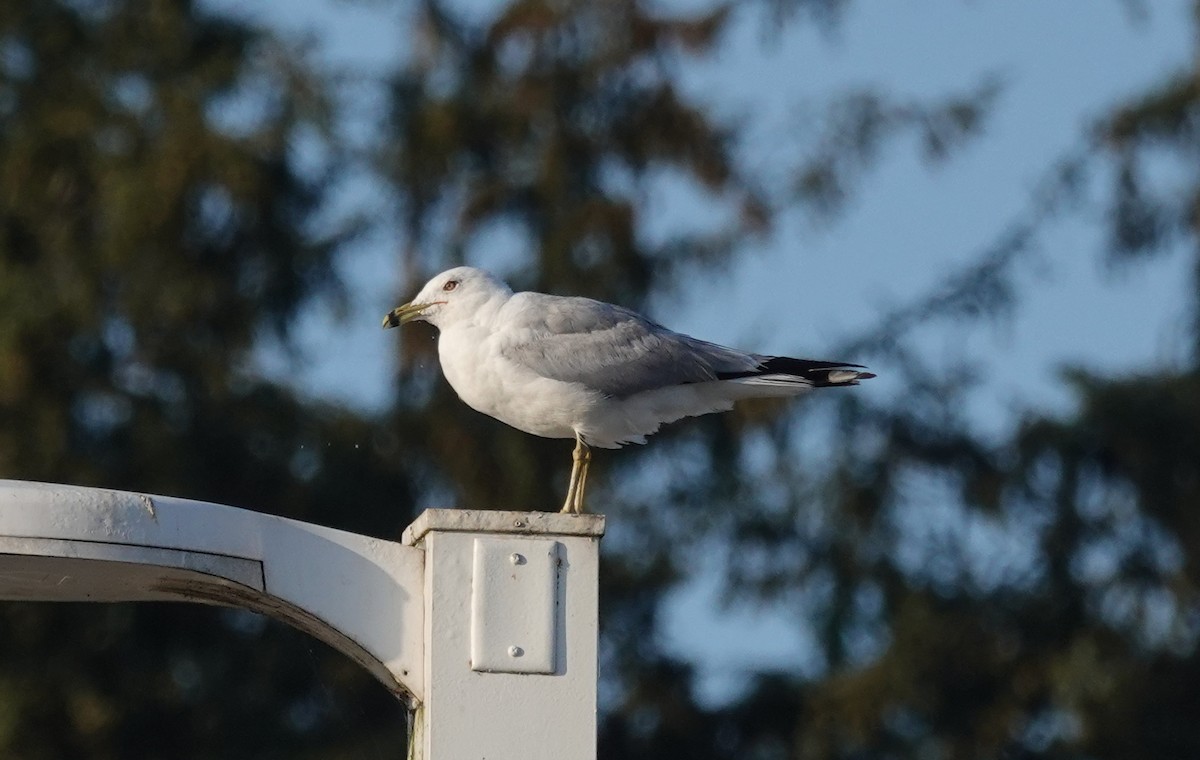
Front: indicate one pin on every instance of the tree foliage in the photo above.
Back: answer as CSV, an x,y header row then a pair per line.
x,y
147,242
156,226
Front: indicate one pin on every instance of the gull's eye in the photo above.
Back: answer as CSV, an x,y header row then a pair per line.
x,y
450,285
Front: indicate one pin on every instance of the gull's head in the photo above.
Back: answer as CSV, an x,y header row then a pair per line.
x,y
449,296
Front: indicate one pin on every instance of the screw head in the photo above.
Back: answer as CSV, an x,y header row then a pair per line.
x,y
515,651
516,559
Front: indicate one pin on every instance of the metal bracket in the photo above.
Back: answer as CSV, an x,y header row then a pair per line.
x,y
514,605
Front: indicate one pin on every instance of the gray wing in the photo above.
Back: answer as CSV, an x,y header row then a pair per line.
x,y
611,349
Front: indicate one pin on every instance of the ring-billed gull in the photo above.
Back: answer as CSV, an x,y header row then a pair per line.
x,y
563,367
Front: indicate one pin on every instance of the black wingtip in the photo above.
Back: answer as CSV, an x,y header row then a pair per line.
x,y
820,374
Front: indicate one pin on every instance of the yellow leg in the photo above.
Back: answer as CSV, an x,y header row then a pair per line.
x,y
581,457
573,484
584,461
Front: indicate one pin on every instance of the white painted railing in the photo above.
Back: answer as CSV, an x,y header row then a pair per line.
x,y
484,622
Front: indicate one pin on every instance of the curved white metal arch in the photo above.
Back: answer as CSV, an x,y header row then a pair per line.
x,y
481,620
358,594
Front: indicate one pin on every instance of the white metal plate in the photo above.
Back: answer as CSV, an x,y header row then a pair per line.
x,y
514,605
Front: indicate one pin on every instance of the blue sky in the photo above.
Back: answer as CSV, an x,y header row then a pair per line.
x,y
907,225
805,288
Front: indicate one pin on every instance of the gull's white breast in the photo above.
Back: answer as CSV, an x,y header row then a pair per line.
x,y
472,360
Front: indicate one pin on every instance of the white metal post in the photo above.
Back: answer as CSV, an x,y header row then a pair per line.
x,y
510,635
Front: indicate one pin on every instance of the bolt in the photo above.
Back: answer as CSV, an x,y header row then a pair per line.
x,y
516,559
515,651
